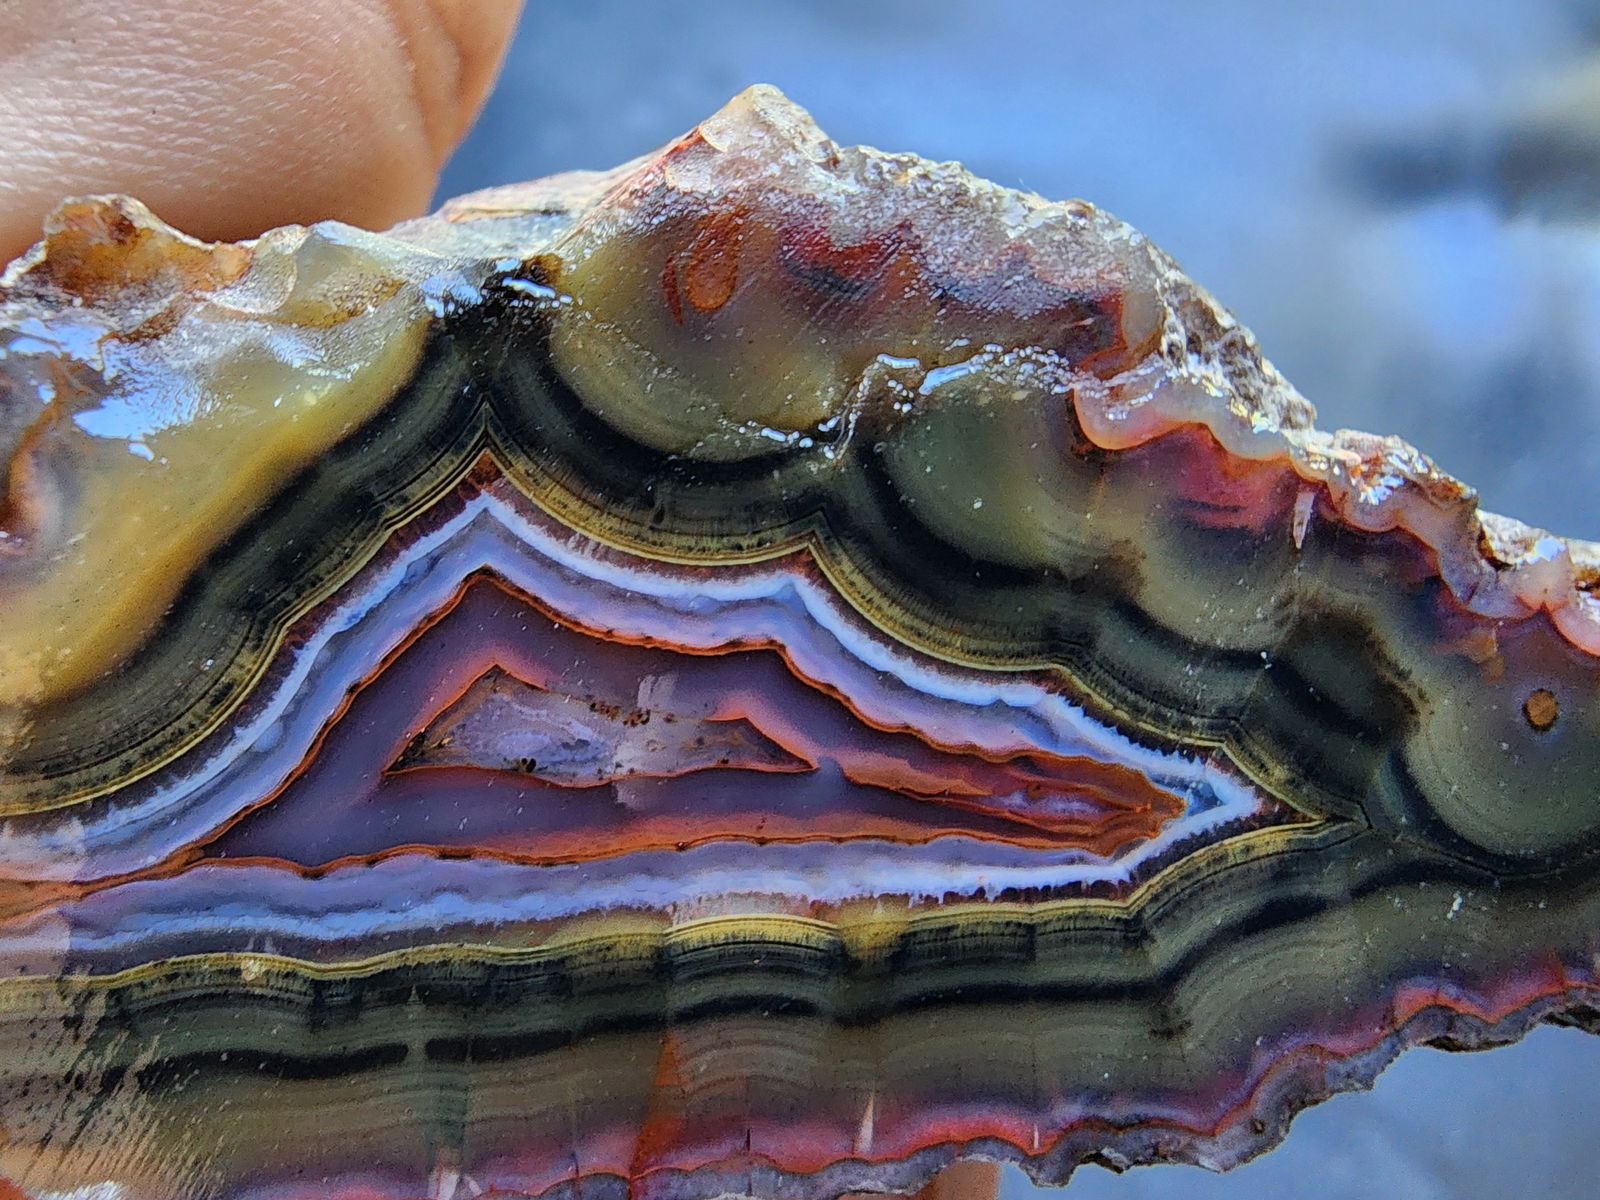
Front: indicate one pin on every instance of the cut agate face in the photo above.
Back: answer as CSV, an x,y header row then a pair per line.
x,y
765,671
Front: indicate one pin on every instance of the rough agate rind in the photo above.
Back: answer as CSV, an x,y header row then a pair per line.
x,y
764,671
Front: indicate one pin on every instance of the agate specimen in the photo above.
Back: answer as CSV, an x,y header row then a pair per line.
x,y
766,671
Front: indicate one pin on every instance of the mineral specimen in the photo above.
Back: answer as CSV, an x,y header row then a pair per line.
x,y
765,671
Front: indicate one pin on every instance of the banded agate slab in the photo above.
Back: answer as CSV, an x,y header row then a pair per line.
x,y
765,671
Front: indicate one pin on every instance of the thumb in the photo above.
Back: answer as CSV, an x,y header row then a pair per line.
x,y
228,117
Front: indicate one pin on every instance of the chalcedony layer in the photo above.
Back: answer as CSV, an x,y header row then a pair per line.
x,y
763,671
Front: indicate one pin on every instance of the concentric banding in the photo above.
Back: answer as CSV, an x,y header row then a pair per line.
x,y
768,669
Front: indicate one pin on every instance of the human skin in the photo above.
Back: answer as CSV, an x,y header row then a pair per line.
x,y
230,117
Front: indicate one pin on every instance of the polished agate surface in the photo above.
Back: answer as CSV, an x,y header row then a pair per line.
x,y
766,671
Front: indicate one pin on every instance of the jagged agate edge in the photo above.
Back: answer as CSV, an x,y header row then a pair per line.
x,y
1495,566
1255,1112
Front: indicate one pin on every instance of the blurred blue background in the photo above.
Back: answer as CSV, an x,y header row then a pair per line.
x,y
1402,199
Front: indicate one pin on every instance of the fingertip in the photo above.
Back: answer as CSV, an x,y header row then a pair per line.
x,y
456,51
228,118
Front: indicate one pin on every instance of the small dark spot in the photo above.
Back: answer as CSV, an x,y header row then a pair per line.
x,y
1177,1029
1541,709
